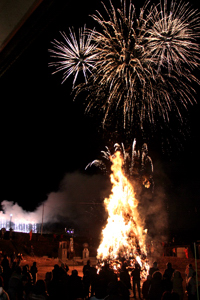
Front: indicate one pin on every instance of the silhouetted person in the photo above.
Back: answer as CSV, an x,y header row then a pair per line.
x,y
191,287
58,286
106,273
26,272
188,272
48,278
168,271
94,278
34,271
64,282
125,277
5,262
15,286
75,285
12,257
136,279
86,267
86,283
56,272
177,284
154,268
6,271
156,287
27,280
123,290
145,287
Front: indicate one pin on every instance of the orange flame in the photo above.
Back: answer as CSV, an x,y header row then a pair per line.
x,y
123,235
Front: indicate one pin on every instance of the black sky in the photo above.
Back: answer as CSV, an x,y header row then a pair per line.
x,y
44,134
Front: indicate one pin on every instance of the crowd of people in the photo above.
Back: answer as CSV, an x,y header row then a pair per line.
x,y
20,283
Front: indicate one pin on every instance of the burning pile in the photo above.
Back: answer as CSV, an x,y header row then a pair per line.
x,y
123,237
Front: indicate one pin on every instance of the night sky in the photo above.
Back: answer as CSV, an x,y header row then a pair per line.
x,y
46,136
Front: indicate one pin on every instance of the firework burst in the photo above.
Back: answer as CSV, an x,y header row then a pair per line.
x,y
143,71
74,55
139,66
172,37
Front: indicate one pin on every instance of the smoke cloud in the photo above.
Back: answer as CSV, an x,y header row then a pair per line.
x,y
78,201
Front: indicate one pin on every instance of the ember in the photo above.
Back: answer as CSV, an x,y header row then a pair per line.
x,y
124,237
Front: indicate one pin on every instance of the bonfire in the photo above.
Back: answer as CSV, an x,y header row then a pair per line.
x,y
124,236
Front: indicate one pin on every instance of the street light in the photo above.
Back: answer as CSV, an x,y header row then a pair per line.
x,y
10,221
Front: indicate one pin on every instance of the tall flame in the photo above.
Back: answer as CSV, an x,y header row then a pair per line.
x,y
123,235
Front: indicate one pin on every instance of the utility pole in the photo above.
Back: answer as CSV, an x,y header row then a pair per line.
x,y
42,218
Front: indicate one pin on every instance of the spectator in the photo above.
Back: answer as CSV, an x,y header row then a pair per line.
x,y
27,281
154,268
125,277
34,271
136,279
75,286
6,271
145,287
168,271
3,294
167,283
86,283
15,287
191,287
48,278
26,272
177,284
156,287
86,267
188,272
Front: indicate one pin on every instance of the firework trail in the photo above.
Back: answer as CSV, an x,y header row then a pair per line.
x,y
139,66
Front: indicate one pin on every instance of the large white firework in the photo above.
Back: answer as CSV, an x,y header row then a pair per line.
x,y
73,55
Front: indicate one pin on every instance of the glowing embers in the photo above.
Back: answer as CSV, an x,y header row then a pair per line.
x,y
123,236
